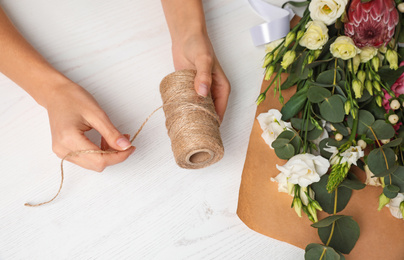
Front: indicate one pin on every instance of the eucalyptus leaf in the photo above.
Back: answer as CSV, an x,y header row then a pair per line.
x,y
381,129
280,142
345,232
393,143
396,178
352,184
366,120
327,200
390,76
317,251
285,152
341,128
314,134
318,94
380,160
391,191
296,4
297,124
332,109
326,221
327,77
294,139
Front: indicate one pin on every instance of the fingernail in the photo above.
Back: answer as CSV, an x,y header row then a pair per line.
x,y
203,90
123,143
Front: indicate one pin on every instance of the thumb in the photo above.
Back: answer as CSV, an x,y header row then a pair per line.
x,y
203,78
112,136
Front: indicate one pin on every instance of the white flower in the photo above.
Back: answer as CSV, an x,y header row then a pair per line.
x,y
282,181
272,45
304,169
370,178
315,36
351,155
367,53
272,125
344,47
327,11
394,205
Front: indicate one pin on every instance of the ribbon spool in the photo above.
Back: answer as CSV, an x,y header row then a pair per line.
x,y
277,25
191,121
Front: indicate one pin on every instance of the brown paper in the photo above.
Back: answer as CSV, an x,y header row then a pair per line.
x,y
267,211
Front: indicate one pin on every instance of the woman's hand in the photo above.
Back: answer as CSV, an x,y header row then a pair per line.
x,y
196,52
72,111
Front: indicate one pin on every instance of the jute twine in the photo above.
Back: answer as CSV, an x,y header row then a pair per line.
x,y
192,124
191,121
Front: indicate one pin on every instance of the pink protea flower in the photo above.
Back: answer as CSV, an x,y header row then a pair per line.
x,y
372,23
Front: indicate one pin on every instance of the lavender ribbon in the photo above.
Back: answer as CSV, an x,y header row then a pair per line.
x,y
277,22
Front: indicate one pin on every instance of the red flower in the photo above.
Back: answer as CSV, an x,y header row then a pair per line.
x,y
371,23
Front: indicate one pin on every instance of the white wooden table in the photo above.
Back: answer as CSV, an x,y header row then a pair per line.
x,y
146,207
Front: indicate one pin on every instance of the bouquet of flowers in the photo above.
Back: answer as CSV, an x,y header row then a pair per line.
x,y
344,56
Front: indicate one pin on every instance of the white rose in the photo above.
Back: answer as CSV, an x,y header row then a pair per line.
x,y
272,125
327,11
315,36
370,178
304,169
394,206
367,53
344,47
272,45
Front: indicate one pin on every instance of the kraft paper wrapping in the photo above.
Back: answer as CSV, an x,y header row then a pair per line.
x,y
263,209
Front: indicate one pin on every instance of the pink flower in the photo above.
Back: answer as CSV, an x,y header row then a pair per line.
x,y
371,23
397,88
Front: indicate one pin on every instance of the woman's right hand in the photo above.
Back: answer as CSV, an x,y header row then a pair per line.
x,y
73,111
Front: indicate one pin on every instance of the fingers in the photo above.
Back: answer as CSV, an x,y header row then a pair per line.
x,y
112,136
220,91
203,78
97,162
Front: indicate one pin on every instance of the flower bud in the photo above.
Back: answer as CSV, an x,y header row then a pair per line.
x,y
383,201
383,49
317,53
393,119
357,88
316,205
313,212
356,62
268,59
288,59
362,144
369,86
333,128
260,98
310,59
347,107
370,76
400,8
299,35
376,85
291,188
385,141
379,101
269,72
361,76
376,63
297,205
402,207
395,104
290,37
392,58
338,137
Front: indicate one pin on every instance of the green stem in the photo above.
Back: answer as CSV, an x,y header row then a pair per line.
x,y
355,126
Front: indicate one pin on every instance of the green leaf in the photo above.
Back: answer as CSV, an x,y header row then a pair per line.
x,y
393,143
317,251
396,178
353,184
391,191
382,130
326,221
294,139
332,109
285,152
314,134
296,4
366,119
380,160
341,128
327,77
297,124
390,76
327,200
318,94
280,142
296,72
345,234
295,104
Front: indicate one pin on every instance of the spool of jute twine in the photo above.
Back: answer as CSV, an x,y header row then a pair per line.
x,y
192,125
191,121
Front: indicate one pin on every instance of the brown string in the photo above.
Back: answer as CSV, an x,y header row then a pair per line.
x,y
192,124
